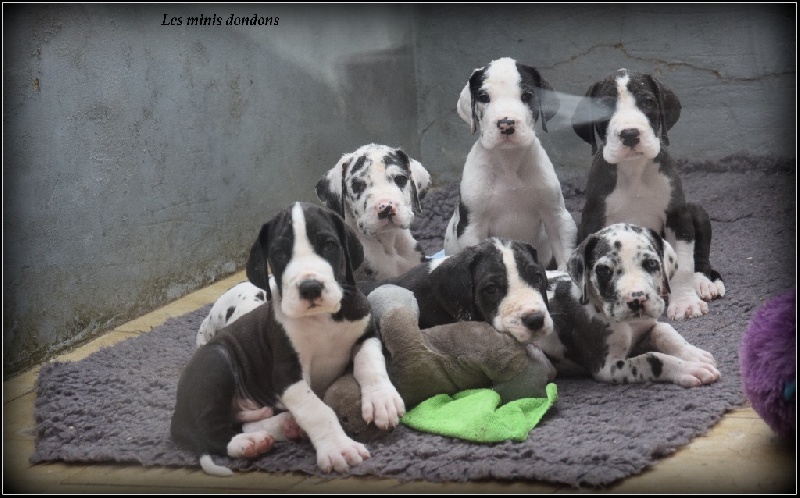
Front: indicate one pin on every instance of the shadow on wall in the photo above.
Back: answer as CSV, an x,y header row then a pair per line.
x,y
378,96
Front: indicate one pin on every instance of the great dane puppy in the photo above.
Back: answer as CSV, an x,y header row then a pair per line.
x,y
605,310
377,189
237,301
283,355
634,180
382,191
509,188
497,281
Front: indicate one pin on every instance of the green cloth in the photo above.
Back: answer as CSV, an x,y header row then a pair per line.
x,y
476,415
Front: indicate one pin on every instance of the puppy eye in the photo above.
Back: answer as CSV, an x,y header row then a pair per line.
x,y
648,102
401,180
357,186
603,271
330,246
651,265
527,97
278,257
491,289
482,97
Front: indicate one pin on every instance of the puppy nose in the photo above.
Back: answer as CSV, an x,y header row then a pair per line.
x,y
637,300
506,126
310,289
629,136
533,321
386,210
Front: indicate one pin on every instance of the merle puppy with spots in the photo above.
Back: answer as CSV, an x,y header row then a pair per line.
x,y
634,180
377,189
239,300
509,187
606,306
283,355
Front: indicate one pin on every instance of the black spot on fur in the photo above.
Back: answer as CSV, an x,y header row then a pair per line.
x,y
358,165
261,296
656,365
463,218
357,186
620,363
230,313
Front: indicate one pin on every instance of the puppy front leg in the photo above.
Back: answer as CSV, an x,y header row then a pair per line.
x,y
562,233
380,401
666,339
471,231
652,366
335,450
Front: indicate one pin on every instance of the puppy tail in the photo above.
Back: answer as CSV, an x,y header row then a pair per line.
x,y
212,468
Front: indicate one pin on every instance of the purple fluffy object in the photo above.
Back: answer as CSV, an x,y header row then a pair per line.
x,y
768,361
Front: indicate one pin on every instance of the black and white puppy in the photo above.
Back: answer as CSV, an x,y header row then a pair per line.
x,y
634,180
285,354
606,309
377,189
509,187
498,281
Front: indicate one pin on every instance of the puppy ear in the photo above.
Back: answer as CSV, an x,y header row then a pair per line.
x,y
415,196
668,259
421,177
584,119
330,189
453,287
669,107
576,266
546,103
464,107
257,268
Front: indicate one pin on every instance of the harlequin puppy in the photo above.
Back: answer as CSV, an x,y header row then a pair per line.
x,y
377,190
497,281
634,180
237,301
509,188
286,353
606,309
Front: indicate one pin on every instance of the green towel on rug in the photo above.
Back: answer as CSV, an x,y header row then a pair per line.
x,y
476,415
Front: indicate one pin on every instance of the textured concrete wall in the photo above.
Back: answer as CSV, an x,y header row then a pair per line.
x,y
140,159
731,65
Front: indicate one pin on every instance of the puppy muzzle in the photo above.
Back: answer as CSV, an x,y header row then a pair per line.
x,y
311,295
506,129
636,304
384,215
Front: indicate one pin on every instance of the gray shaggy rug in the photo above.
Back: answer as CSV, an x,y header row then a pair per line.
x,y
115,405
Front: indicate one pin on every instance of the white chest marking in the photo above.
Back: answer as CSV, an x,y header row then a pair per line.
x,y
641,196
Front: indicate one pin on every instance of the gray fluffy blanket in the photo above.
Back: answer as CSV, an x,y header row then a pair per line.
x,y
115,405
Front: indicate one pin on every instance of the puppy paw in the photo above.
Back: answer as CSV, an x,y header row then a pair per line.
x,y
281,427
339,455
382,405
694,374
292,430
250,444
254,415
688,305
706,289
695,354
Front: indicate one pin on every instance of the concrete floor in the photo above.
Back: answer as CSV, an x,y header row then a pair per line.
x,y
740,455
